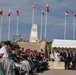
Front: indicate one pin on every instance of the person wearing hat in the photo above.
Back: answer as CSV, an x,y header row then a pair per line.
x,y
4,57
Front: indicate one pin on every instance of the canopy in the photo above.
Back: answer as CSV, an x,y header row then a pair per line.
x,y
58,43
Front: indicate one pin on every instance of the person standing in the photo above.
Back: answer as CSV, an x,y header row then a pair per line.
x,y
65,56
67,59
57,56
52,58
74,61
62,53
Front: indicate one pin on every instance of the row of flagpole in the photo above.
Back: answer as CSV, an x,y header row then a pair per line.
x,y
47,10
42,17
9,14
33,15
42,14
66,15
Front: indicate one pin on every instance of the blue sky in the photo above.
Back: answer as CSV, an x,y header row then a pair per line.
x,y
55,24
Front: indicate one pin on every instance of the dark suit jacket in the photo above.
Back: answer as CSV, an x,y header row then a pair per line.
x,y
65,56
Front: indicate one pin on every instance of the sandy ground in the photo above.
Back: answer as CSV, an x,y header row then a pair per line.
x,y
57,72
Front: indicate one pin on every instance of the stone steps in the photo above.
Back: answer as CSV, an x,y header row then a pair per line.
x,y
30,45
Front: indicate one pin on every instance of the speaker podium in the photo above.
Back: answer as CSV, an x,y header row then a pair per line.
x,y
34,34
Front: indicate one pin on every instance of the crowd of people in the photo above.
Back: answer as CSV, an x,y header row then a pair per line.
x,y
15,60
66,56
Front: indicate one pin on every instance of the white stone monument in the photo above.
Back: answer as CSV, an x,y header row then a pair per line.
x,y
34,34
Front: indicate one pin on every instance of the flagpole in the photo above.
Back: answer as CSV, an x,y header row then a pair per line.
x,y
65,29
45,24
74,29
33,17
1,29
17,27
41,26
9,29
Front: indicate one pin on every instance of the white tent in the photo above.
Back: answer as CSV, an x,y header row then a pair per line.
x,y
58,43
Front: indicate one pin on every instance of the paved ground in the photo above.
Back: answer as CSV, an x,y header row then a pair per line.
x,y
58,72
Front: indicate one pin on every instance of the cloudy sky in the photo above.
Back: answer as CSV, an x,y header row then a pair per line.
x,y
56,17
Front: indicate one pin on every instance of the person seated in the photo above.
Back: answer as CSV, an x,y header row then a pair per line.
x,y
4,57
2,71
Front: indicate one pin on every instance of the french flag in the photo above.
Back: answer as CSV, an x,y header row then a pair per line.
x,y
66,13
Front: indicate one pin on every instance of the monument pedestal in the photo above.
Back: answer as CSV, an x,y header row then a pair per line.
x,y
34,34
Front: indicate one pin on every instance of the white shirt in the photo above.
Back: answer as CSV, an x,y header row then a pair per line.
x,y
3,50
52,56
67,54
57,57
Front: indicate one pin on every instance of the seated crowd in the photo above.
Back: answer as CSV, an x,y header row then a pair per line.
x,y
66,56
17,61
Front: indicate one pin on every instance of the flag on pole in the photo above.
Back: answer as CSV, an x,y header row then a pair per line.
x,y
9,13
17,12
42,12
66,13
1,12
33,6
47,8
74,13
